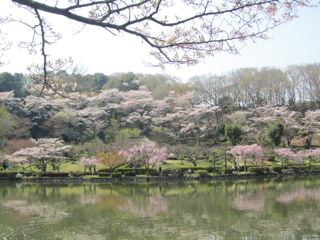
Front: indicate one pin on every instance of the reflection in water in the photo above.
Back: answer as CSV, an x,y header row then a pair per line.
x,y
149,207
249,202
89,199
249,210
49,213
299,195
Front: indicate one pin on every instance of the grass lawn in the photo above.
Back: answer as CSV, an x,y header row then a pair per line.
x,y
168,165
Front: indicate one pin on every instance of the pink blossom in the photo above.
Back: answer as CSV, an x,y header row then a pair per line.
x,y
88,161
145,154
288,154
15,160
247,151
311,153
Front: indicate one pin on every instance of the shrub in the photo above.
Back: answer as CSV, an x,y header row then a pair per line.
x,y
104,170
275,132
130,174
224,171
257,170
233,133
166,172
154,173
36,174
55,174
116,175
315,167
137,171
8,175
104,174
276,168
77,174
202,173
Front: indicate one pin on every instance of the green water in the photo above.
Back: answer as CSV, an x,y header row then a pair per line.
x,y
275,209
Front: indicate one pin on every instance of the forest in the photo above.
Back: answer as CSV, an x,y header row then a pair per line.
x,y
250,120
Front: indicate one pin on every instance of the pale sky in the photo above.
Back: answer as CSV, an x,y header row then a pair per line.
x,y
296,42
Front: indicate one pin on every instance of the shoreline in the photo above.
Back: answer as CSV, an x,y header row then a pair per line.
x,y
154,179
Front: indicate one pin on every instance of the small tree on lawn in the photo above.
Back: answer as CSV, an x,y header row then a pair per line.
x,y
16,161
112,159
247,152
287,154
47,151
310,154
146,154
89,163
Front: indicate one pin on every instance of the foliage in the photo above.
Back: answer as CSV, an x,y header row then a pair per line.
x,y
233,133
114,133
126,133
275,133
5,126
257,169
110,159
111,131
16,83
90,82
87,149
123,82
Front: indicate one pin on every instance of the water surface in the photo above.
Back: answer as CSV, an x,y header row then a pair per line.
x,y
274,209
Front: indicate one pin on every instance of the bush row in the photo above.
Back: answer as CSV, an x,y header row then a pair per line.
x,y
196,171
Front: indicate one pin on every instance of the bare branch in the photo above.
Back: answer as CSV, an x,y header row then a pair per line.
x,y
43,52
199,28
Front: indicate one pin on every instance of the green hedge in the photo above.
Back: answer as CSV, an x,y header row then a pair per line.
x,y
55,174
104,174
8,175
137,171
129,174
276,168
225,171
77,174
315,167
258,170
116,175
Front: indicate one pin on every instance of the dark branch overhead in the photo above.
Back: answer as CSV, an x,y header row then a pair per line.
x,y
179,32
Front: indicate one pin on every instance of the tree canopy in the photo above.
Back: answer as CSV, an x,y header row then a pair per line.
x,y
179,32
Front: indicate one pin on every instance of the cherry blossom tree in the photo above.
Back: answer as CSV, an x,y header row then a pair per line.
x,y
247,152
188,153
89,163
287,154
111,159
16,161
310,154
47,151
146,154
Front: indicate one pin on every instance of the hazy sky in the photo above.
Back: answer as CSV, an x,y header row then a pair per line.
x,y
95,50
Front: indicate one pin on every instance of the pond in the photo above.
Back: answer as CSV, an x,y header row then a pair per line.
x,y
269,209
